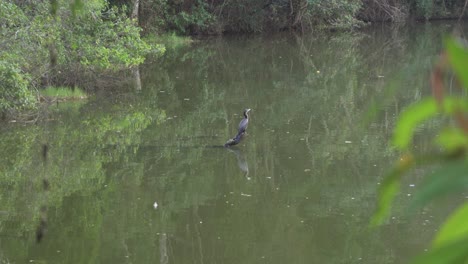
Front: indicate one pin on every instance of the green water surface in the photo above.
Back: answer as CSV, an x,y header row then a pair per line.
x,y
139,175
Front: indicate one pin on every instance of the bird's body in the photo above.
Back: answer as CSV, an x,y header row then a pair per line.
x,y
241,130
244,122
235,140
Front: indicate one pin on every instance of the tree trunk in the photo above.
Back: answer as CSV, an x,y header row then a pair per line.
x,y
136,6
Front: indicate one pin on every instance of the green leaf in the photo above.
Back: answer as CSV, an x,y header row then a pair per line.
x,y
455,228
455,252
452,139
410,118
458,57
388,190
450,178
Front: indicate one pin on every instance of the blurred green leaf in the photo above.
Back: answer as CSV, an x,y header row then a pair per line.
x,y
458,58
456,252
388,190
410,118
455,228
452,139
451,177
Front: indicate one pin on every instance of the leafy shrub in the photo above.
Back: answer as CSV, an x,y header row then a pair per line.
x,y
14,89
334,14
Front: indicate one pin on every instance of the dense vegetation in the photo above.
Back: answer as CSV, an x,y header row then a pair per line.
x,y
70,42
218,16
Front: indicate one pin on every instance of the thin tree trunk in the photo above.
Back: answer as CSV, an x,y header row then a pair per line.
x,y
136,6
136,74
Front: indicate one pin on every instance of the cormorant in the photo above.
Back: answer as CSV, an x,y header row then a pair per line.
x,y
241,131
235,140
244,122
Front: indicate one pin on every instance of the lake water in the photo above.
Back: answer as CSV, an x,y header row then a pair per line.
x,y
139,175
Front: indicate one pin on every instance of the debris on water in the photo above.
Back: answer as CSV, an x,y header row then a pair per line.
x,y
287,132
246,195
352,198
348,142
411,185
268,177
186,99
375,165
201,222
289,157
155,205
162,91
307,198
306,170
302,221
318,71
302,139
409,194
219,238
380,76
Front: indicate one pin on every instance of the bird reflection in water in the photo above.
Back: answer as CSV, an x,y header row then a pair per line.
x,y
241,161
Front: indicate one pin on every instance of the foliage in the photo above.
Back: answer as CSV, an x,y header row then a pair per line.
x,y
14,89
63,92
335,14
449,245
168,40
183,17
64,42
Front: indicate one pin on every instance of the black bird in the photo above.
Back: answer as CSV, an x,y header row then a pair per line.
x,y
235,140
244,122
241,131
